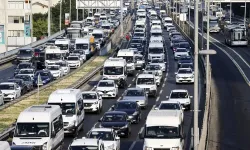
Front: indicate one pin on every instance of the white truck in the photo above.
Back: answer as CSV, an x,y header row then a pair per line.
x,y
72,106
163,130
53,54
129,56
40,126
100,37
115,69
156,50
86,45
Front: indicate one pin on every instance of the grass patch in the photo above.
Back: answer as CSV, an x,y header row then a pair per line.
x,y
10,114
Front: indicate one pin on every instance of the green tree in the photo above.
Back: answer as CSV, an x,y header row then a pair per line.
x,y
39,27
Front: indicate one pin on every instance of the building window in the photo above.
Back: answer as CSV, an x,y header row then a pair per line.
x,y
16,19
16,5
15,33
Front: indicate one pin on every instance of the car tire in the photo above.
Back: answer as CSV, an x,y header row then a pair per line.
x,y
188,107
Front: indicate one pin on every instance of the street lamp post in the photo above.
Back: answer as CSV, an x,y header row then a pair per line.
x,y
245,11
49,17
230,12
60,18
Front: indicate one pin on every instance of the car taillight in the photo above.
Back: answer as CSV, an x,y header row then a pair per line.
x,y
36,54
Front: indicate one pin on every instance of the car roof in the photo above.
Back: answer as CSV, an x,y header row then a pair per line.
x,y
169,102
115,112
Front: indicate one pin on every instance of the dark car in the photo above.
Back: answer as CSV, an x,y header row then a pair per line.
x,y
138,46
186,60
132,109
21,83
186,65
27,80
177,40
23,65
46,77
39,58
25,55
118,120
51,42
185,45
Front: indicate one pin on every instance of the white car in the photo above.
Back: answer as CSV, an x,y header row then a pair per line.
x,y
172,106
180,52
30,72
182,96
10,90
92,101
184,75
156,70
56,71
1,98
160,62
140,61
107,88
148,83
74,61
108,135
65,66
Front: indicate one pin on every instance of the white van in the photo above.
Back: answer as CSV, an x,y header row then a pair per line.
x,y
63,44
167,22
163,130
156,50
129,56
40,126
85,45
4,145
148,83
71,103
115,69
100,38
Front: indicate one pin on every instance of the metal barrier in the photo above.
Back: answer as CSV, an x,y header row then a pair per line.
x,y
11,55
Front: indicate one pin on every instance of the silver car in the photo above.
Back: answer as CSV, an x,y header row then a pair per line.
x,y
138,95
140,61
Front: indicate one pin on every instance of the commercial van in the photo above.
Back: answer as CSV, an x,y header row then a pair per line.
x,y
63,44
156,50
87,44
129,56
100,37
163,130
71,103
40,126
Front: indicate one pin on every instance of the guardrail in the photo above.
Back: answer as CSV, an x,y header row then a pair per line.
x,y
11,55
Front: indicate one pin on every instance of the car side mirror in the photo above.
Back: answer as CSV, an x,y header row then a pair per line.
x,y
183,108
117,138
190,96
175,73
143,69
116,86
95,86
167,97
156,108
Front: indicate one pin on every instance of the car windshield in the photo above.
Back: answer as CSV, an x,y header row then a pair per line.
x,y
128,59
63,64
184,45
53,56
138,30
6,87
22,66
152,67
24,77
105,84
53,67
181,50
25,52
148,81
134,93
135,41
106,27
135,45
179,95
186,66
82,46
162,132
32,130
156,34
113,70
114,118
89,96
67,108
25,71
85,147
139,34
185,71
73,58
155,50
42,73
138,58
97,36
139,26
126,105
157,61
169,106
104,135
63,46
17,81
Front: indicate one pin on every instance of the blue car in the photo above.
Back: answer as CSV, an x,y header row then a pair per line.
x,y
19,147
186,60
118,120
131,108
46,77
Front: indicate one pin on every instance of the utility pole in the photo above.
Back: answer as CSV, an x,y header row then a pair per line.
x,y
69,10
60,17
49,16
31,22
196,73
77,10
5,25
202,26
121,5
230,11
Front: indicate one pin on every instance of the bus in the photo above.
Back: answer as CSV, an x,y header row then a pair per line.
x,y
213,24
235,35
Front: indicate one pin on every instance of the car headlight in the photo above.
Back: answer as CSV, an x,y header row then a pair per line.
x,y
175,148
45,146
177,77
96,102
72,123
113,90
110,147
148,148
192,76
100,126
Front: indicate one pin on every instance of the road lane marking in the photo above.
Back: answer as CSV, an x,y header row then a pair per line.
x,y
137,74
119,98
157,99
129,85
161,91
163,85
133,79
132,145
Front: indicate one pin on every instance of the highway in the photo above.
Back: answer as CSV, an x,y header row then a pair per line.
x,y
229,110
133,142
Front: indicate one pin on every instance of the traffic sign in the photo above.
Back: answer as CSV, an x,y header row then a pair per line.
x,y
39,80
